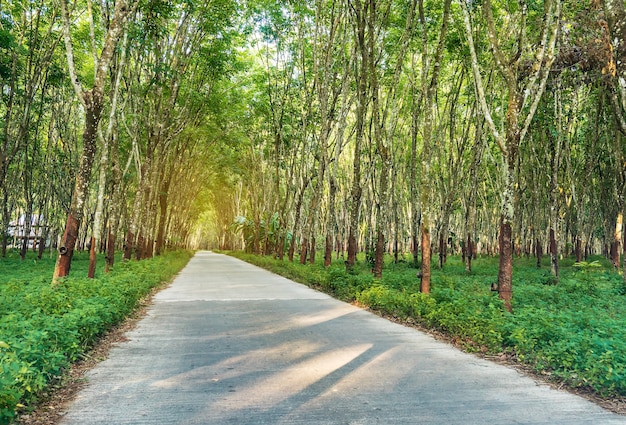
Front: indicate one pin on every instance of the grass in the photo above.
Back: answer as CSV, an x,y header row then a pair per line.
x,y
573,331
45,327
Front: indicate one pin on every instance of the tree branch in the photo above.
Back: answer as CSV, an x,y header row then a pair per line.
x,y
545,69
69,51
478,82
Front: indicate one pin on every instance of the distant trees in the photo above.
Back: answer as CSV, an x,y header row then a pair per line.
x,y
142,84
475,122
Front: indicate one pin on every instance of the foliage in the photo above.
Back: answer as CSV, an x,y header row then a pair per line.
x,y
43,328
572,331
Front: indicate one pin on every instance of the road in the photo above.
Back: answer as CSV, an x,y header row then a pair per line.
x,y
229,343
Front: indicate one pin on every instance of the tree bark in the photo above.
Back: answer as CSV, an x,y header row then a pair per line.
x,y
425,271
296,224
74,217
554,254
505,271
615,247
469,249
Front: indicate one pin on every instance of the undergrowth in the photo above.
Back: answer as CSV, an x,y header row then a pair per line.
x,y
45,327
572,330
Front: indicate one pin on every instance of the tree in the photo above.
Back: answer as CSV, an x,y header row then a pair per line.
x,y
521,106
92,100
359,11
425,176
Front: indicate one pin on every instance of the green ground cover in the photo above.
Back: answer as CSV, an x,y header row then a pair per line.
x,y
44,327
573,331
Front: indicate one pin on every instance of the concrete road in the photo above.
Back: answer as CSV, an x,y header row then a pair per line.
x,y
229,343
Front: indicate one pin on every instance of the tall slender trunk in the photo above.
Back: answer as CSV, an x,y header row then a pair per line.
x,y
381,149
296,224
332,223
131,232
116,209
5,220
470,213
97,222
578,252
555,165
538,252
425,270
304,250
425,183
360,11
28,221
415,219
505,271
163,196
75,215
617,241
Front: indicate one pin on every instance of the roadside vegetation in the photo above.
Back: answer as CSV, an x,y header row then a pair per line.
x,y
45,327
572,332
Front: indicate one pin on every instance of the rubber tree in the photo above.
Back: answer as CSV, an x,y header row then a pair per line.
x,y
425,176
92,100
523,92
386,101
359,12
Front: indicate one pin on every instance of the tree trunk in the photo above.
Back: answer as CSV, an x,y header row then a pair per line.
x,y
91,273
578,252
426,179
615,247
312,250
304,249
5,220
360,11
425,279
505,272
128,244
110,249
328,250
296,223
68,240
97,223
469,250
554,255
28,221
160,241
